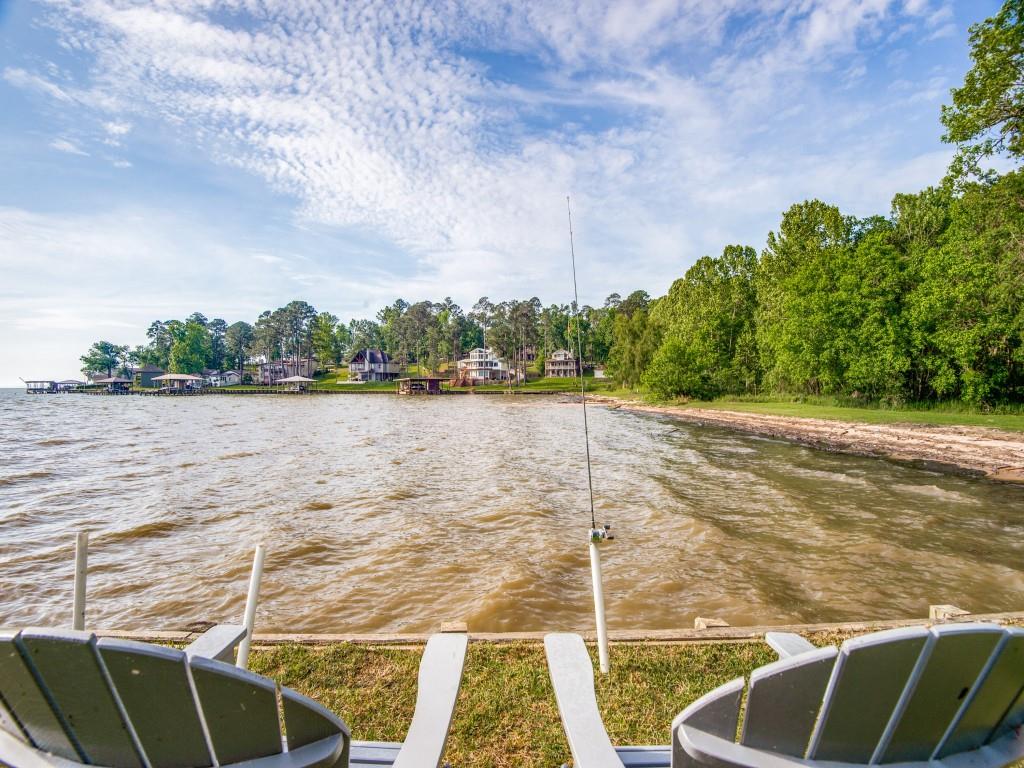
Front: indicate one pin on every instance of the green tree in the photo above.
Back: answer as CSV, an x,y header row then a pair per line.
x,y
987,114
218,350
104,356
238,338
326,341
190,352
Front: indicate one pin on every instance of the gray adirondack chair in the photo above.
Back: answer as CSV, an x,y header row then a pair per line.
x,y
68,699
951,696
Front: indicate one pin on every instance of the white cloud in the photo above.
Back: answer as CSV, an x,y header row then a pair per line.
x,y
20,78
374,117
63,145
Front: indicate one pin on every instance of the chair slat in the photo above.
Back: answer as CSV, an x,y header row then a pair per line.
x,y
153,685
716,712
645,757
371,754
306,721
870,674
68,664
784,700
240,710
958,656
991,701
28,704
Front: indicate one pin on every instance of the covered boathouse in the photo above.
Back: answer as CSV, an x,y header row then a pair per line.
x,y
422,385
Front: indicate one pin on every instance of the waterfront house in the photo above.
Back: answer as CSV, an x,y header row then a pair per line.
x,y
225,379
145,374
40,387
275,370
482,365
372,365
562,364
70,385
93,377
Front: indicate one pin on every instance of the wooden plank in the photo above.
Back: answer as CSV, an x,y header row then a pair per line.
x,y
991,701
715,713
28,703
787,644
69,665
240,710
437,690
572,677
217,642
958,656
154,688
868,679
784,700
645,756
373,753
752,633
306,721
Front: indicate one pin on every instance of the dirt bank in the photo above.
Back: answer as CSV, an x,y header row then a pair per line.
x,y
992,453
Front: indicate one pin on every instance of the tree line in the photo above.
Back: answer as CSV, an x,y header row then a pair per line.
x,y
923,304
433,335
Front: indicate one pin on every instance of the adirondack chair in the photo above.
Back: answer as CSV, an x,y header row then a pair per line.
x,y
951,696
68,699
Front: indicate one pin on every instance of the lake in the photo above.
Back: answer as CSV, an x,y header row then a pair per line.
x,y
386,514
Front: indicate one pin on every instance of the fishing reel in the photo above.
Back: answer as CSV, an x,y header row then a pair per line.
x,y
604,533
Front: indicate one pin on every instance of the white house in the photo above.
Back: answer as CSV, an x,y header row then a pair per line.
x,y
561,365
483,365
223,379
372,365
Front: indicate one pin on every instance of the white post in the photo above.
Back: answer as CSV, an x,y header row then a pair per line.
x,y
596,537
250,606
81,566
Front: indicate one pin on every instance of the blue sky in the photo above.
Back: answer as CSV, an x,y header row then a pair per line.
x,y
166,157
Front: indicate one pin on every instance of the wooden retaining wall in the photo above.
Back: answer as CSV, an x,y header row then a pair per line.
x,y
713,634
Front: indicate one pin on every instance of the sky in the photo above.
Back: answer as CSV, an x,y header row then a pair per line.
x,y
165,157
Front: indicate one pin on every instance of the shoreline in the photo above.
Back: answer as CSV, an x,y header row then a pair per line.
x,y
977,451
712,634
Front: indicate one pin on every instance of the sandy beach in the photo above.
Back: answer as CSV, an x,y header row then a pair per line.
x,y
992,453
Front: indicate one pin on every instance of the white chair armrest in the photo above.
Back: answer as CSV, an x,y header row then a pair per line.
x,y
437,690
787,644
572,676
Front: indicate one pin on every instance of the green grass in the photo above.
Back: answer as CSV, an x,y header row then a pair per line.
x,y
551,384
871,415
506,713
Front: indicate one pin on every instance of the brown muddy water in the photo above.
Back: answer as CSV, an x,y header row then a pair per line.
x,y
396,514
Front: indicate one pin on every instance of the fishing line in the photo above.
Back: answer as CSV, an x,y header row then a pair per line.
x,y
579,362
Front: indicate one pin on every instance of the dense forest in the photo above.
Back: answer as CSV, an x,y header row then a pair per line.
x,y
923,304
432,335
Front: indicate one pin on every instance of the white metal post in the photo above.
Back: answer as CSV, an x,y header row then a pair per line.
x,y
596,537
249,621
81,567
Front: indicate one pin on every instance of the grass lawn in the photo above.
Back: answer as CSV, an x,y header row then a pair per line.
x,y
1010,421
506,713
552,384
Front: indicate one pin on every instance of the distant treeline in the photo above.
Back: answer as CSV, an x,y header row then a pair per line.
x,y
924,304
425,333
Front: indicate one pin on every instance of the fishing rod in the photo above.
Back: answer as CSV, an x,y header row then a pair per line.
x,y
597,535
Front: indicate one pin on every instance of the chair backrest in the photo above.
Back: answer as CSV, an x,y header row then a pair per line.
x,y
900,696
125,704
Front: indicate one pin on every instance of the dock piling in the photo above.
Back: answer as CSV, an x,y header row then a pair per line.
x,y
81,566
